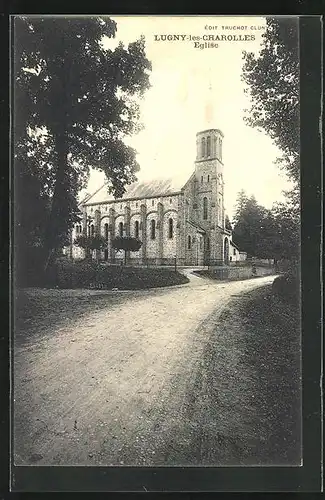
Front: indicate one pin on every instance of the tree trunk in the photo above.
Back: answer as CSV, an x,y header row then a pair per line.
x,y
60,205
60,209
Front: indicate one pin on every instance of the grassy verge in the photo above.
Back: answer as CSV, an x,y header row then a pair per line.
x,y
65,274
274,352
244,405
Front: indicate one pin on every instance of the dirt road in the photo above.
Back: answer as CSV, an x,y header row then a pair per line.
x,y
112,388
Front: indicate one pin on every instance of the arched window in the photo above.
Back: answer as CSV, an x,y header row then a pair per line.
x,y
120,229
201,179
152,202
80,229
136,229
170,228
153,229
208,178
106,231
189,242
205,208
203,146
92,230
208,146
208,243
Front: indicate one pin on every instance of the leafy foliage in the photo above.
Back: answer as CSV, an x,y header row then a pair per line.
x,y
96,242
248,226
272,78
286,241
126,243
273,85
241,203
266,233
76,102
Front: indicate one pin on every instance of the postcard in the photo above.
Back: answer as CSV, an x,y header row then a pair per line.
x,y
157,302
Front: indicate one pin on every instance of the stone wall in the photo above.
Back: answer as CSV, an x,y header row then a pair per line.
x,y
232,273
237,273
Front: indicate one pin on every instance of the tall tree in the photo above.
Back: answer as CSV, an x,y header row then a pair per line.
x,y
273,84
287,233
80,100
267,234
241,203
272,78
228,223
253,229
127,244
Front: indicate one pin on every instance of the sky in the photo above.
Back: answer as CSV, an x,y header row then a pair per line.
x,y
173,109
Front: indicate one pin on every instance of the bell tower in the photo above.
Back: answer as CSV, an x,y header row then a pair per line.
x,y
209,176
210,213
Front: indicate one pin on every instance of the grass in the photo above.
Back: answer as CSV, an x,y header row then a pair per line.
x,y
244,404
91,275
274,351
77,290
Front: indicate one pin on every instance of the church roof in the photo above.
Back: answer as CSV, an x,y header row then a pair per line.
x,y
136,190
234,245
196,225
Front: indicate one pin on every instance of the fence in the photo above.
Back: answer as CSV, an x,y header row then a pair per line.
x,y
171,262
177,262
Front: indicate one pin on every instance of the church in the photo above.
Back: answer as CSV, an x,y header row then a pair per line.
x,y
183,223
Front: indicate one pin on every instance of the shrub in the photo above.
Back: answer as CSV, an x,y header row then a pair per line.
x,y
127,244
89,274
27,267
287,286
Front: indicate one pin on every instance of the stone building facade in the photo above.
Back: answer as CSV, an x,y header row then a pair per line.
x,y
186,224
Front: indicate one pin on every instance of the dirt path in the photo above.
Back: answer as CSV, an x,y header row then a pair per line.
x,y
111,388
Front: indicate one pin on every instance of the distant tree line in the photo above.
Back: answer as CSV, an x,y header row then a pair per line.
x,y
264,233
272,81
